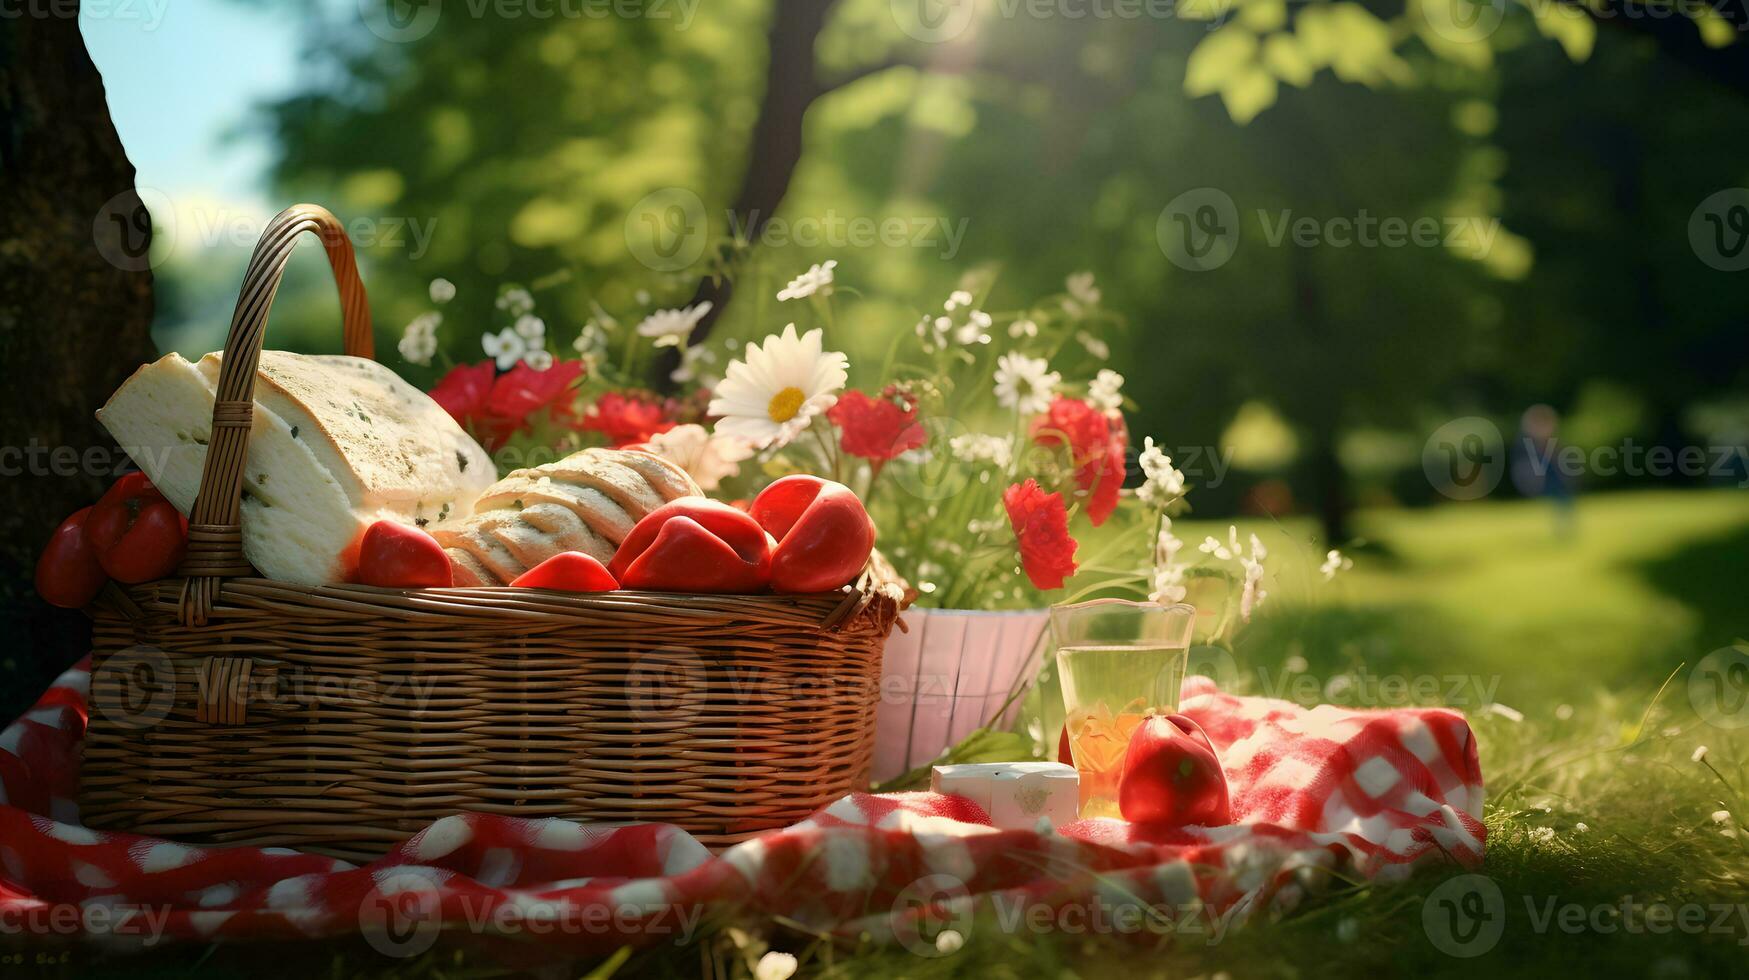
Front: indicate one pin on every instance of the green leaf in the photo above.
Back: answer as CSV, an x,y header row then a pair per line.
x,y
1248,94
1222,55
1286,59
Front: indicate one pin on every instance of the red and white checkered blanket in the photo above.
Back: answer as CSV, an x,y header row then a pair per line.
x,y
1319,793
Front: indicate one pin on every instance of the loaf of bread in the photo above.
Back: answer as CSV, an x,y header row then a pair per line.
x,y
337,444
586,502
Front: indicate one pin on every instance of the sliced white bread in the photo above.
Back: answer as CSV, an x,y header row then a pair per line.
x,y
337,443
588,501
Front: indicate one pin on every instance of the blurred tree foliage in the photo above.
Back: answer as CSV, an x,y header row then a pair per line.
x,y
1560,163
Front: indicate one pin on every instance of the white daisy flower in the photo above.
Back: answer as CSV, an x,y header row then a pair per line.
x,y
419,341
708,459
506,347
442,290
816,281
1105,391
777,388
1025,383
672,327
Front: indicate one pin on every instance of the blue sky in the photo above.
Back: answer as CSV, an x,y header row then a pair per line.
x,y
179,75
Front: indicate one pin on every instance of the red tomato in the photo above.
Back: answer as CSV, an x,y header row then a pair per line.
x,y
824,536
399,556
568,571
68,573
1171,775
137,534
694,545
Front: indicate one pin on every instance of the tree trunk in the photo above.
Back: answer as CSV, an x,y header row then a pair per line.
x,y
791,85
75,317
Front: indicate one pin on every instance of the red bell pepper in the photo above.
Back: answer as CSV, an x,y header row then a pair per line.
x,y
137,534
68,574
824,536
1172,776
399,556
568,571
694,545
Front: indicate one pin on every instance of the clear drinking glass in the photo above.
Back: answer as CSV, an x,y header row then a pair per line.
x,y
1118,661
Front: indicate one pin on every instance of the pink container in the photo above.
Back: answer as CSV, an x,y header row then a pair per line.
x,y
948,676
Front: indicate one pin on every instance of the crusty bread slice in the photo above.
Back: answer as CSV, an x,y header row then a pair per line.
x,y
588,502
337,443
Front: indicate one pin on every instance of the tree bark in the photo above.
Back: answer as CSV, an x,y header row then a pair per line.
x,y
791,85
75,316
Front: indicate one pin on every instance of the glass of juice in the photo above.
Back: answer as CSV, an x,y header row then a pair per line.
x,y
1118,662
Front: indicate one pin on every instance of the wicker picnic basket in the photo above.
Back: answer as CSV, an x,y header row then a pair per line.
x,y
231,709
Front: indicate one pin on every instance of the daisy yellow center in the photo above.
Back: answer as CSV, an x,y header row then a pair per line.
x,y
785,404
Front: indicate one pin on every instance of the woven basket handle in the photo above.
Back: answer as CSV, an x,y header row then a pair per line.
x,y
215,539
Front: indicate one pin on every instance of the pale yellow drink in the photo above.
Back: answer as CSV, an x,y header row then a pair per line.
x,y
1107,692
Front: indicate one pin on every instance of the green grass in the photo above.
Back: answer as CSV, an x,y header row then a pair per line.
x,y
1593,795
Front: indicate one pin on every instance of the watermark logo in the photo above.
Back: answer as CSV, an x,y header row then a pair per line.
x,y
933,21
1718,687
400,21
1199,229
1465,916
1718,230
402,914
1463,21
127,225
135,688
666,230
667,684
933,915
1465,458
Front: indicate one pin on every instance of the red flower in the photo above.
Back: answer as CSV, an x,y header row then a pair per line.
x,y
625,420
1041,525
877,428
523,391
495,407
1096,445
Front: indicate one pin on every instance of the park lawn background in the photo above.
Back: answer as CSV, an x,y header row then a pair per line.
x,y
1585,640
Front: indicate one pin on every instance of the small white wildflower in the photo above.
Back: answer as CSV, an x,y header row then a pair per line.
x,y
516,301
591,340
1334,562
419,341
1258,551
1023,328
1510,714
1098,348
816,281
672,327
1563,712
691,360
1252,594
1699,754
1212,546
539,358
957,299
949,941
1161,484
977,447
442,290
531,328
1105,391
1080,286
1582,827
505,347
1025,383
775,966
932,330
1168,572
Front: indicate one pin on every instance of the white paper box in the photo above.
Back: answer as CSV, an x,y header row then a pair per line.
x,y
1014,794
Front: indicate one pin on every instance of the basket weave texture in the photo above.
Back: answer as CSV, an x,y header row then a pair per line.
x,y
231,709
